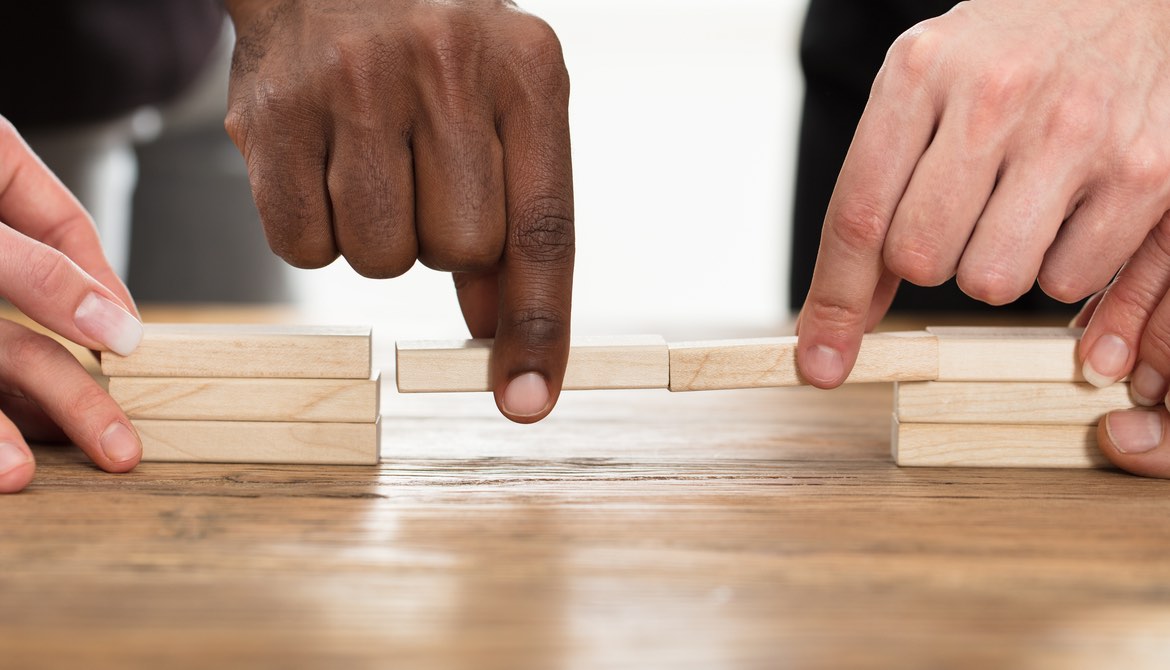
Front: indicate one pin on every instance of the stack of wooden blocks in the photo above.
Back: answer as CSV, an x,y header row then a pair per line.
x,y
1004,398
978,397
250,394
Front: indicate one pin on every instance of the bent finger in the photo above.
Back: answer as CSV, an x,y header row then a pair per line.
x,y
17,465
893,133
1130,321
536,270
36,203
50,288
47,374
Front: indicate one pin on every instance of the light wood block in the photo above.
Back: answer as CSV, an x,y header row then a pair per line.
x,y
1008,354
624,362
995,446
206,350
248,399
766,362
258,442
1074,403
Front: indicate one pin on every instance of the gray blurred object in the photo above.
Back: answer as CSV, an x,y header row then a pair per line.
x,y
170,195
196,234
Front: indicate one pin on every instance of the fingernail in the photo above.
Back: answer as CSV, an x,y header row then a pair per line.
x,y
1106,361
1134,431
12,457
823,364
109,324
526,395
119,443
1146,385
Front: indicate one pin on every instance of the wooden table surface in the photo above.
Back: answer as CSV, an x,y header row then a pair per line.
x,y
753,529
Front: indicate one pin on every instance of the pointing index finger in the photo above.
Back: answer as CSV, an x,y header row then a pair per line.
x,y
893,133
536,270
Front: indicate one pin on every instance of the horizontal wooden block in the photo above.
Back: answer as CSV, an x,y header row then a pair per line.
x,y
248,399
624,362
766,362
995,446
258,442
1072,403
1008,354
206,350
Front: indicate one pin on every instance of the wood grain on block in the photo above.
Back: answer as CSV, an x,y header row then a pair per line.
x,y
623,362
995,446
248,399
258,442
206,350
758,363
1074,403
1008,354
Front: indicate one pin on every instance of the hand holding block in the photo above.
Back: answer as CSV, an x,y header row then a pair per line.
x,y
624,362
766,362
205,350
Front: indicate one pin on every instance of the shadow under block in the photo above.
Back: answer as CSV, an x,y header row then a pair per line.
x,y
205,350
1008,354
623,362
258,442
1066,403
248,399
766,362
995,445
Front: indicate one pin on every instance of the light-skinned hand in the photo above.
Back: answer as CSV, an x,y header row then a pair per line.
x,y
1007,143
52,268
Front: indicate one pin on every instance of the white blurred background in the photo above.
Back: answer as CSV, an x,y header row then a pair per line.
x,y
684,121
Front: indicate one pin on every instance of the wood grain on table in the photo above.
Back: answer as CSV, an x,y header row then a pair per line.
x,y
634,529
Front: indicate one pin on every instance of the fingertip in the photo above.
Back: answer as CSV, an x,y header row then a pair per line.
x,y
1134,440
527,398
121,447
822,366
17,467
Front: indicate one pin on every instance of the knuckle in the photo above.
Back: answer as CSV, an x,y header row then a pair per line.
x,y
992,285
383,266
47,272
1143,167
538,327
917,52
544,233
28,350
859,226
835,318
537,55
917,260
1155,342
89,400
1067,287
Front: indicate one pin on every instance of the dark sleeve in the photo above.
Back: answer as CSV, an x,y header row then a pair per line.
x,y
78,61
842,48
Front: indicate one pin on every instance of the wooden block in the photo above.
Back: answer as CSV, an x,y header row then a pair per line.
x,y
1043,403
624,362
1008,354
733,364
248,399
222,350
258,442
995,446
